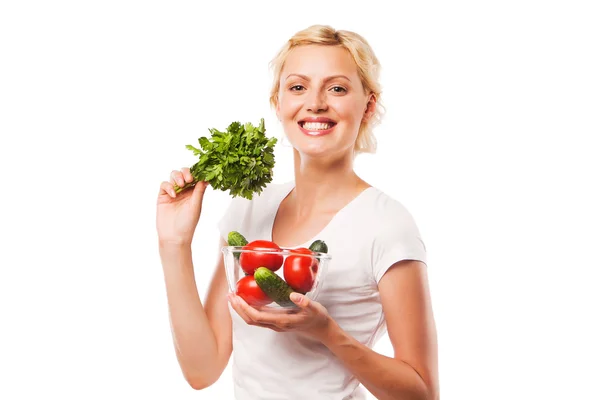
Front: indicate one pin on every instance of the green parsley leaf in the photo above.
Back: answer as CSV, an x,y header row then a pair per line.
x,y
240,160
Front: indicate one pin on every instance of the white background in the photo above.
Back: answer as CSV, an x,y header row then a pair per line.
x,y
492,112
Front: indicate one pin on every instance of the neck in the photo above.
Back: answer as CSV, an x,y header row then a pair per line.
x,y
318,179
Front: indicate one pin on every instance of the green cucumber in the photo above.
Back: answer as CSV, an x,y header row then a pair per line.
x,y
318,246
236,239
273,286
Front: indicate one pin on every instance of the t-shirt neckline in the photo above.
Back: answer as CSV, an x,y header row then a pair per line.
x,y
287,189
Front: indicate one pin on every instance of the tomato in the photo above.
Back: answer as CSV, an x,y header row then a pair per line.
x,y
248,289
300,271
250,261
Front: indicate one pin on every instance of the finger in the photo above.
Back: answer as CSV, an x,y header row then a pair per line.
x,y
198,193
250,312
273,327
280,311
187,175
235,305
167,188
252,322
177,178
302,301
258,317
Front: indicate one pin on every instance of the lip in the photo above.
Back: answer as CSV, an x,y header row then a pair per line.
x,y
316,119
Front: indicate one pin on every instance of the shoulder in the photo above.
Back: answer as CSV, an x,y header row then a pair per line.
x,y
396,236
261,202
247,215
393,223
273,190
270,192
388,212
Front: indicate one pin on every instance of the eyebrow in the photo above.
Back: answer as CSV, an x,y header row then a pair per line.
x,y
326,79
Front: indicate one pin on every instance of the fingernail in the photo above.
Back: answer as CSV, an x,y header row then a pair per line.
x,y
295,297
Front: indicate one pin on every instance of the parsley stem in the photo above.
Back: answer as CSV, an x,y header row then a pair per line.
x,y
187,185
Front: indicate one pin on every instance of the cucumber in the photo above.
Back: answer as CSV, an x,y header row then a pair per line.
x,y
273,286
318,246
236,239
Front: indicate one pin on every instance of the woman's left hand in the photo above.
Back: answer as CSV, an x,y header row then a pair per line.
x,y
309,317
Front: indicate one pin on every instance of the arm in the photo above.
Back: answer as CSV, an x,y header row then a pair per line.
x,y
201,335
412,372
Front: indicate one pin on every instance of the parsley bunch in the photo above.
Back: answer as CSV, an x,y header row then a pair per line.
x,y
240,160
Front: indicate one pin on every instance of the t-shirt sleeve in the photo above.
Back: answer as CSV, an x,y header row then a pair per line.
x,y
398,239
233,217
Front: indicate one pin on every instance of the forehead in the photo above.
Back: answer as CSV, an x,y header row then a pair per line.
x,y
317,61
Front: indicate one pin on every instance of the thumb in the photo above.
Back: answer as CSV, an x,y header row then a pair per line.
x,y
300,300
198,193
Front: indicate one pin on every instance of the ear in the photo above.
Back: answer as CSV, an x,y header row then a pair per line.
x,y
370,107
277,110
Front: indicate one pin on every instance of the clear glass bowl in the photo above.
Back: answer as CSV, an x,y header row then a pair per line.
x,y
234,254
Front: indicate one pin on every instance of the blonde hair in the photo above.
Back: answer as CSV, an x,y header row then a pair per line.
x,y
366,62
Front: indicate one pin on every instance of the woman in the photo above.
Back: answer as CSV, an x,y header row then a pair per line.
x,y
325,93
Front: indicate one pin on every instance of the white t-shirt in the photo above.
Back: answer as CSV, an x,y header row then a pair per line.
x,y
364,238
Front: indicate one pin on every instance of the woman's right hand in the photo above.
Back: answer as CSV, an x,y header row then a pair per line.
x,y
177,214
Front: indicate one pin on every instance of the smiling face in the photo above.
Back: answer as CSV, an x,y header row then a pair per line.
x,y
322,101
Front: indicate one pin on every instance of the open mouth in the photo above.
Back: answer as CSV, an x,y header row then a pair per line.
x,y
316,126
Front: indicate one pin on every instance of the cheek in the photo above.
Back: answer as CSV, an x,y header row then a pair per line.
x,y
289,105
350,111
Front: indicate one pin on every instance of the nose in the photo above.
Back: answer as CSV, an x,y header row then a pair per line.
x,y
316,101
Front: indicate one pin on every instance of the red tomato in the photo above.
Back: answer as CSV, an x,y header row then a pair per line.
x,y
300,271
250,261
248,289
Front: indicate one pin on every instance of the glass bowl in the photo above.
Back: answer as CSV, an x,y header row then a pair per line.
x,y
285,263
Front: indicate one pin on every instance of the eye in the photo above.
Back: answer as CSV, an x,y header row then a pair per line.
x,y
296,88
339,89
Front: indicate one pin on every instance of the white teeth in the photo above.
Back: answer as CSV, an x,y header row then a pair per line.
x,y
317,126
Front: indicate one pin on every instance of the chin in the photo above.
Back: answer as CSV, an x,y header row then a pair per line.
x,y
321,151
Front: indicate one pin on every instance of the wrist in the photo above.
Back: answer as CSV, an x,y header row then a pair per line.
x,y
330,332
174,250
